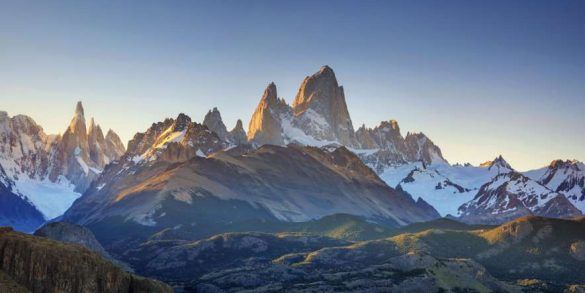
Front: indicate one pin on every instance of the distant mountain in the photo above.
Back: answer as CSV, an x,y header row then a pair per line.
x,y
47,173
319,117
513,195
565,177
165,186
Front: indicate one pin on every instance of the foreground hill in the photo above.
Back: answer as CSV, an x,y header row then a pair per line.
x,y
42,265
552,250
538,254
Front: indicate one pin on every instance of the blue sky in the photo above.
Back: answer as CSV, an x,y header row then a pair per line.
x,y
480,78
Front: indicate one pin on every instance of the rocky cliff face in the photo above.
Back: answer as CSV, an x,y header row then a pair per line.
x,y
320,109
114,146
266,124
75,234
238,134
389,148
214,123
43,265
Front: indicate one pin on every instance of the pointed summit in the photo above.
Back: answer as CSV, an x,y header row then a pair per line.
x,y
181,122
97,143
265,125
238,134
114,146
566,164
214,123
499,164
79,109
270,94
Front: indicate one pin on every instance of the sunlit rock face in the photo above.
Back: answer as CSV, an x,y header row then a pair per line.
x,y
319,117
266,123
320,109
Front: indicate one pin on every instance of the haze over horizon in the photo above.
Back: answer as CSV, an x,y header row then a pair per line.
x,y
479,81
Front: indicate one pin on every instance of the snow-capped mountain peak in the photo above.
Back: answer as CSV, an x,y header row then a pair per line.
x,y
46,173
566,177
512,195
499,164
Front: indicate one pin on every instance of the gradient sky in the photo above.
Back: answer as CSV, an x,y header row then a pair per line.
x,y
480,78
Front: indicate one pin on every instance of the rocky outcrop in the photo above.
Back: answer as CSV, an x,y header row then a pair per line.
x,y
97,144
421,148
320,109
390,148
238,134
114,146
214,123
266,123
71,233
43,265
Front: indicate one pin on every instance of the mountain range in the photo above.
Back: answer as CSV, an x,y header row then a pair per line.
x,y
301,201
41,175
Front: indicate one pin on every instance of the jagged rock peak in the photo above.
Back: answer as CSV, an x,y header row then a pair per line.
x,y
115,147
499,162
77,124
316,87
79,109
181,122
270,94
560,164
214,123
238,134
239,126
265,125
